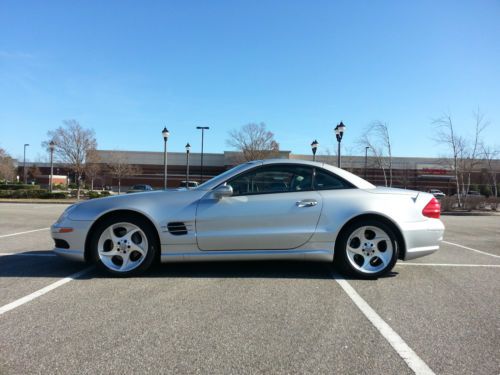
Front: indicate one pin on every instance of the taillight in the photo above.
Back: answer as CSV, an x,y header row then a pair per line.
x,y
432,209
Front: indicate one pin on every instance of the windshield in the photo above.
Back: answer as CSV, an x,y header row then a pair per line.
x,y
223,176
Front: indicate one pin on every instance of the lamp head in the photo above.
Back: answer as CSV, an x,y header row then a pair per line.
x,y
165,133
314,146
341,127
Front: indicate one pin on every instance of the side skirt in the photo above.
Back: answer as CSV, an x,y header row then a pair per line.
x,y
235,255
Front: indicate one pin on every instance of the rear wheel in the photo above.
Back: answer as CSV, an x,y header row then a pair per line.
x,y
124,247
366,249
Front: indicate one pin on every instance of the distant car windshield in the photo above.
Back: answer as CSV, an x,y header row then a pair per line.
x,y
140,187
188,184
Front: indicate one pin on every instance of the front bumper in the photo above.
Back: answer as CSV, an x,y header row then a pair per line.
x,y
422,238
75,239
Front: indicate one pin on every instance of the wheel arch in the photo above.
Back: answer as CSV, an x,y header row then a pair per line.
x,y
383,219
118,213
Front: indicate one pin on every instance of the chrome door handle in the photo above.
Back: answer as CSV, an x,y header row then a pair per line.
x,y
306,203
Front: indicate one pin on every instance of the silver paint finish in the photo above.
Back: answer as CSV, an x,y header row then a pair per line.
x,y
75,239
267,226
257,222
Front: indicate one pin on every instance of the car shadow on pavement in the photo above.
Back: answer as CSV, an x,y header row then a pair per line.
x,y
20,266
242,269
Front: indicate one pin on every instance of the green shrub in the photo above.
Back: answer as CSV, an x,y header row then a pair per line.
x,y
57,195
60,187
448,203
93,194
97,194
5,193
27,193
485,190
19,187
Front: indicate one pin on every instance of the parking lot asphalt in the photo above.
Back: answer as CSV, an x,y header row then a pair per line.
x,y
254,317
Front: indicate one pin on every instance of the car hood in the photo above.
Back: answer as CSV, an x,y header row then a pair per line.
x,y
145,203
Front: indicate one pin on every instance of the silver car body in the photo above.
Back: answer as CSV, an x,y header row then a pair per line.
x,y
193,225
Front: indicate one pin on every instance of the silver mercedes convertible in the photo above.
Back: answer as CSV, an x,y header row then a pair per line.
x,y
261,210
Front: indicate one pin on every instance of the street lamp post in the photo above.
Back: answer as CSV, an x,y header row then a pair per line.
x,y
202,128
339,133
52,146
366,159
314,147
165,134
188,149
24,163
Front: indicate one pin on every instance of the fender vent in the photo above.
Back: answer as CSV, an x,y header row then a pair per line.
x,y
177,228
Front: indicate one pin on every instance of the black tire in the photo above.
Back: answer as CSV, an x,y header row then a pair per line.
x,y
144,225
349,267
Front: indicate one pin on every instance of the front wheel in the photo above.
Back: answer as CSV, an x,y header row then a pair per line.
x,y
366,249
124,247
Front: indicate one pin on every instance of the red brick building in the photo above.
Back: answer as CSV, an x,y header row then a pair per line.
x,y
408,172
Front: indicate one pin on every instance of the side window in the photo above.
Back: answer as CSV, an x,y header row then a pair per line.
x,y
273,179
327,181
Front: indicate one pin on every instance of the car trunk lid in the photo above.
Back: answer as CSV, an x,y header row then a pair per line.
x,y
387,190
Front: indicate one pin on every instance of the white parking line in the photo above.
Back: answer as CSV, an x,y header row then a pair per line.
x,y
28,231
28,254
448,265
41,292
470,248
409,356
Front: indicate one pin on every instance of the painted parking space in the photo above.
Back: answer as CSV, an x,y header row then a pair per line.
x,y
248,317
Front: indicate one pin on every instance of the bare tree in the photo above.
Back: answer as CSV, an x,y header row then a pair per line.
x,y
34,172
472,153
348,159
73,145
254,142
120,167
447,136
93,167
7,169
463,156
489,155
325,155
378,139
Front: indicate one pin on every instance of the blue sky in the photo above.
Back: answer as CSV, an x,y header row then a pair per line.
x,y
128,68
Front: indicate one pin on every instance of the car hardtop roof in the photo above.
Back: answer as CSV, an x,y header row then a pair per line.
x,y
352,178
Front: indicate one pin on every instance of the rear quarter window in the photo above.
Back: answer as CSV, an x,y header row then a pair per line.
x,y
327,181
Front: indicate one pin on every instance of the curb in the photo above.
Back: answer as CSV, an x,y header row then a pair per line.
x,y
465,213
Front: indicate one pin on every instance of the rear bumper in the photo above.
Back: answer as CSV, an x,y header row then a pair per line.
x,y
75,239
422,238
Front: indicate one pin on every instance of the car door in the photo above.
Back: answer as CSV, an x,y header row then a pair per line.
x,y
272,208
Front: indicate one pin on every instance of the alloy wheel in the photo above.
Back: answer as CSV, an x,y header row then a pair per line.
x,y
122,247
369,249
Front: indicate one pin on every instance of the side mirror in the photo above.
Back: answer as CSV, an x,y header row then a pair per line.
x,y
223,191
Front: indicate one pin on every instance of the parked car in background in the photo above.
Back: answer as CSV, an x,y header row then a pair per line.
x,y
139,189
260,210
437,193
471,194
189,184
